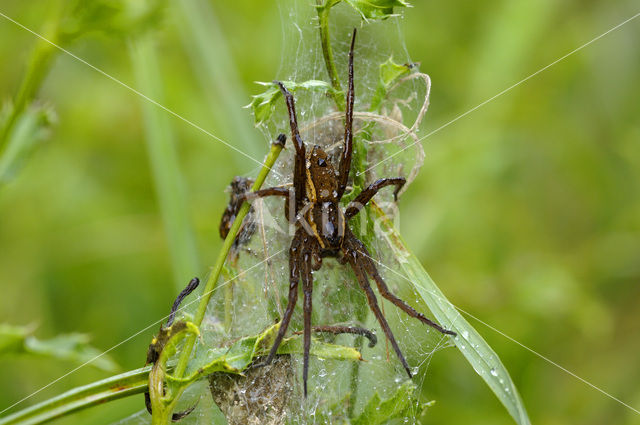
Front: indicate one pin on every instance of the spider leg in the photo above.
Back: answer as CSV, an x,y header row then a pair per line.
x,y
283,191
345,161
294,276
307,290
365,196
370,267
299,176
361,275
263,193
293,118
337,330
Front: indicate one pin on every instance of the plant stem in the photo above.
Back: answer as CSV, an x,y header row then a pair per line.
x,y
212,281
39,65
327,52
233,231
113,388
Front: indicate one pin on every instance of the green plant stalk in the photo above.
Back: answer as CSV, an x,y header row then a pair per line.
x,y
113,388
217,268
327,51
162,397
38,68
212,281
167,178
20,141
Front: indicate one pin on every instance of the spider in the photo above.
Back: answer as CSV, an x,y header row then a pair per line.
x,y
238,186
321,228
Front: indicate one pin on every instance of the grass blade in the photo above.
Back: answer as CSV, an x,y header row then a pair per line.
x,y
167,177
478,353
213,65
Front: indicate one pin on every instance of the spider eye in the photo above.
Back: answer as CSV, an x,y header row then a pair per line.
x,y
322,162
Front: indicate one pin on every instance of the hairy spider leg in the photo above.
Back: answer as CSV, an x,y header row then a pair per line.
x,y
354,208
270,191
365,196
294,276
370,268
338,330
307,290
345,161
350,250
300,158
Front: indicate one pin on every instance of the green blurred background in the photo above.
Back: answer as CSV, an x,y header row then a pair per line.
x,y
526,212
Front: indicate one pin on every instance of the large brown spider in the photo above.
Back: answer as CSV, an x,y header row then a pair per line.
x,y
321,229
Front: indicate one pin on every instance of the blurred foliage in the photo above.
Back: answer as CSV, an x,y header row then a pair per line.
x,y
113,18
15,340
527,211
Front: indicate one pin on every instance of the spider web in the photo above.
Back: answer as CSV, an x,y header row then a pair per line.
x,y
393,129
252,293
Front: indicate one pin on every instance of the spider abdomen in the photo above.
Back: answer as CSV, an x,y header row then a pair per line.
x,y
326,222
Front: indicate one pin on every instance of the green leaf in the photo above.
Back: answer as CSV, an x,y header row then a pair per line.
x,y
389,73
239,356
12,339
478,353
74,347
263,103
165,388
319,349
376,9
378,411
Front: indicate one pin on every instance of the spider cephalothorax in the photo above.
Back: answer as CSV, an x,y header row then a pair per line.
x,y
321,226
